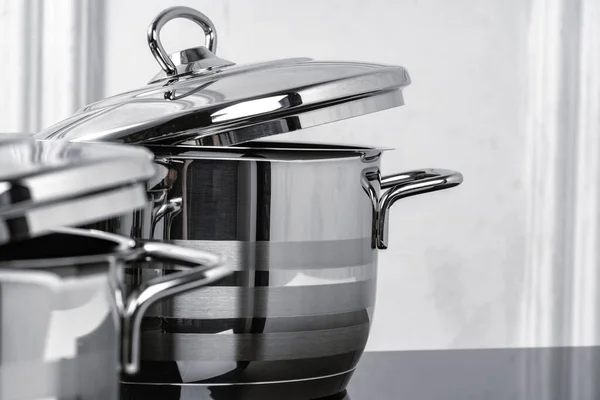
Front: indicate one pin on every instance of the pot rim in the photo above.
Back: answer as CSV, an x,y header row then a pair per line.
x,y
271,151
124,248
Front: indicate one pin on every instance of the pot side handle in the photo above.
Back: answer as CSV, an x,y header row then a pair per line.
x,y
409,184
204,268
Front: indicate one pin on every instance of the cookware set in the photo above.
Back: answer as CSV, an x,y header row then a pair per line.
x,y
189,256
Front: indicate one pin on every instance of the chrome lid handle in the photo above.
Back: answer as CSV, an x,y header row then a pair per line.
x,y
156,47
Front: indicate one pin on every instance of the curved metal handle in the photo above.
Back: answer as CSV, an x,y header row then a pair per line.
x,y
204,268
166,213
409,184
156,47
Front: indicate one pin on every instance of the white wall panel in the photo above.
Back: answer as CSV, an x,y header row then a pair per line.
x,y
560,292
14,67
53,60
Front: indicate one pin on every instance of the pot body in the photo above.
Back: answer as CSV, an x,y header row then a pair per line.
x,y
65,327
300,303
299,228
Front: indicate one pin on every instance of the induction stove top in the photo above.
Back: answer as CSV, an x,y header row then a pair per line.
x,y
569,373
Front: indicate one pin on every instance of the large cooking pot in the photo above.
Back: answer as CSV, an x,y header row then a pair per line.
x,y
64,317
301,223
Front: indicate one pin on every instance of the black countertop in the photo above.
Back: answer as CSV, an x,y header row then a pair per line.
x,y
492,374
502,374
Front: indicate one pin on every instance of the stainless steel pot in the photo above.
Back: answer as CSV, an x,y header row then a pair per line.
x,y
62,307
301,225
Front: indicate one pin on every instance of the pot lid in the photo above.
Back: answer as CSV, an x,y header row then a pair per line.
x,y
49,184
199,98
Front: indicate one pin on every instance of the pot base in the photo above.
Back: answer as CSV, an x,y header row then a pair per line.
x,y
329,388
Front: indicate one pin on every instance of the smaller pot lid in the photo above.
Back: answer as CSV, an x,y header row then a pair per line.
x,y
202,99
49,184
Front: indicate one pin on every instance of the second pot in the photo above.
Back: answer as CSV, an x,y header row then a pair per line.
x,y
63,306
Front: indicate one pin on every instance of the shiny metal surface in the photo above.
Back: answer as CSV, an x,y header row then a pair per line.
x,y
300,226
206,100
62,303
409,184
48,184
205,268
156,47
327,388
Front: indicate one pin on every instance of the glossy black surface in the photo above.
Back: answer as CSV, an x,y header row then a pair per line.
x,y
495,374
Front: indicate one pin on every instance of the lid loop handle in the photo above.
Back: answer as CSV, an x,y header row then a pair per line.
x,y
156,47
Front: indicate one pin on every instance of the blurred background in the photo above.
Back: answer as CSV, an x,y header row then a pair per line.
x,y
507,92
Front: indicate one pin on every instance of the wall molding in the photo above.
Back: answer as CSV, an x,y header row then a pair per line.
x,y
562,172
54,60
